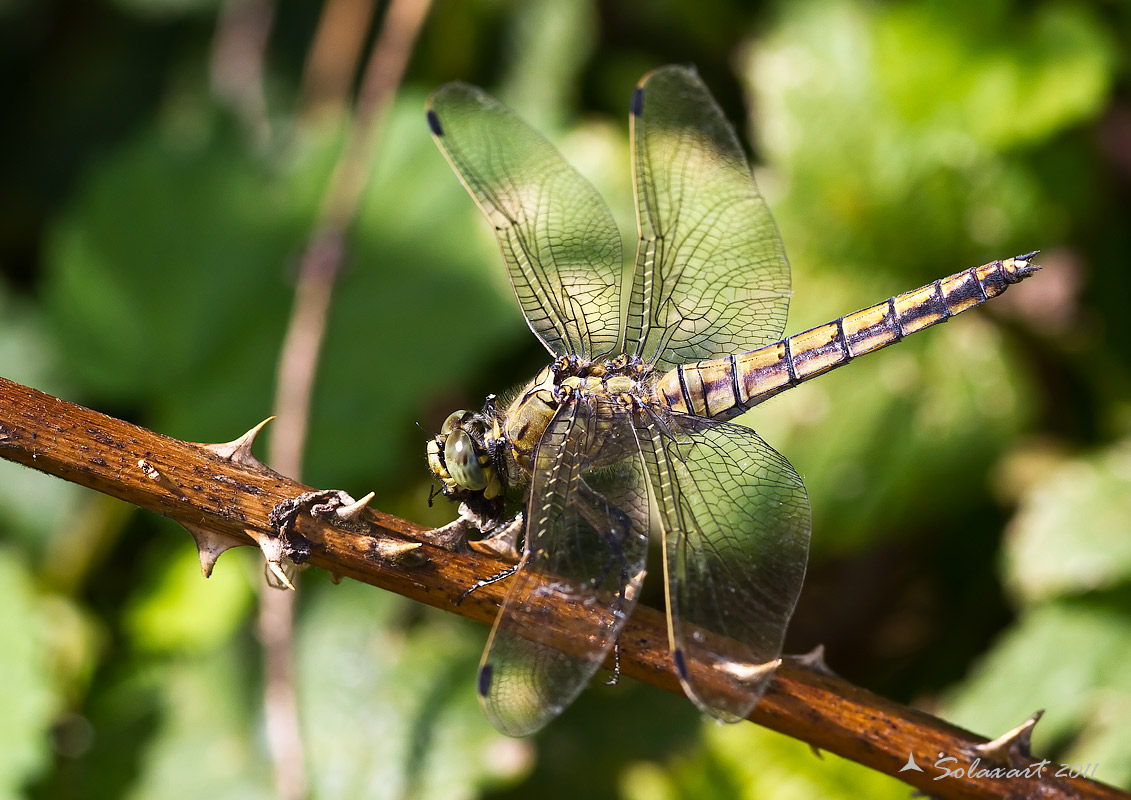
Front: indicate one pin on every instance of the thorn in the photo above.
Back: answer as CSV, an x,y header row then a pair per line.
x,y
814,660
406,554
336,577
749,673
452,536
501,542
492,547
273,549
209,545
352,511
332,506
817,752
1011,747
280,574
239,450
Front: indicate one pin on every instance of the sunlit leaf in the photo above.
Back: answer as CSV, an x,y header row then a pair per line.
x,y
984,71
748,761
178,610
169,269
208,742
1072,533
892,127
1071,659
389,708
29,700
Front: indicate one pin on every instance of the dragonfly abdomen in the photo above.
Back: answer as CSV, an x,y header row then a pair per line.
x,y
723,388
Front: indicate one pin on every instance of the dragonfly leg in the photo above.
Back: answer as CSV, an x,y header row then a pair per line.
x,y
614,679
501,576
501,541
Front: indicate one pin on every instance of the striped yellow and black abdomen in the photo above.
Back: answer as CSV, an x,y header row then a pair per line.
x,y
723,388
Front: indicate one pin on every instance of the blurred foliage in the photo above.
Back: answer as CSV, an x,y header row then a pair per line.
x,y
785,768
970,488
30,698
1072,640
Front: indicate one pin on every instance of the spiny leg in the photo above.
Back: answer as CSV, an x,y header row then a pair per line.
x,y
501,541
501,576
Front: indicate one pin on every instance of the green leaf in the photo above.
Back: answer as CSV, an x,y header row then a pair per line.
x,y
1106,741
748,761
207,743
181,611
29,700
985,70
895,128
389,708
1072,533
1071,658
168,268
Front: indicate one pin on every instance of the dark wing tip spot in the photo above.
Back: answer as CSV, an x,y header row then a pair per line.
x,y
680,663
637,106
434,123
484,680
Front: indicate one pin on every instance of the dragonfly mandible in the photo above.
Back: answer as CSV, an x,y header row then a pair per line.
x,y
626,433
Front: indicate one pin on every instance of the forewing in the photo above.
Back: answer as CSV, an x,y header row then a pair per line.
x,y
559,241
583,564
711,275
735,521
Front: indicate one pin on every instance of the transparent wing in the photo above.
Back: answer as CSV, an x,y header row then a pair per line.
x,y
735,521
559,241
586,543
711,276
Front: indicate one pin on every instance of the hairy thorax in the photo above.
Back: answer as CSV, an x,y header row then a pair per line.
x,y
480,457
622,381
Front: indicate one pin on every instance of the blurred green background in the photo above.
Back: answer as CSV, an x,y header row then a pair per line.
x,y
971,488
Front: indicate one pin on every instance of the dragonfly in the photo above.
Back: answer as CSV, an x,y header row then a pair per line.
x,y
626,434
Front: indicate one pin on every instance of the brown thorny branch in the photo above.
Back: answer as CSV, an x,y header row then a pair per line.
x,y
224,497
330,69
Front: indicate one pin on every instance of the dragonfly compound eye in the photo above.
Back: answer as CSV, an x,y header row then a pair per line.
x,y
454,421
463,461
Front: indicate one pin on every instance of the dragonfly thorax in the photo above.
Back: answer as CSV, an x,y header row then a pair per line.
x,y
480,456
569,379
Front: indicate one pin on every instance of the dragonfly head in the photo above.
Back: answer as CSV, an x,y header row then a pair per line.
x,y
461,456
